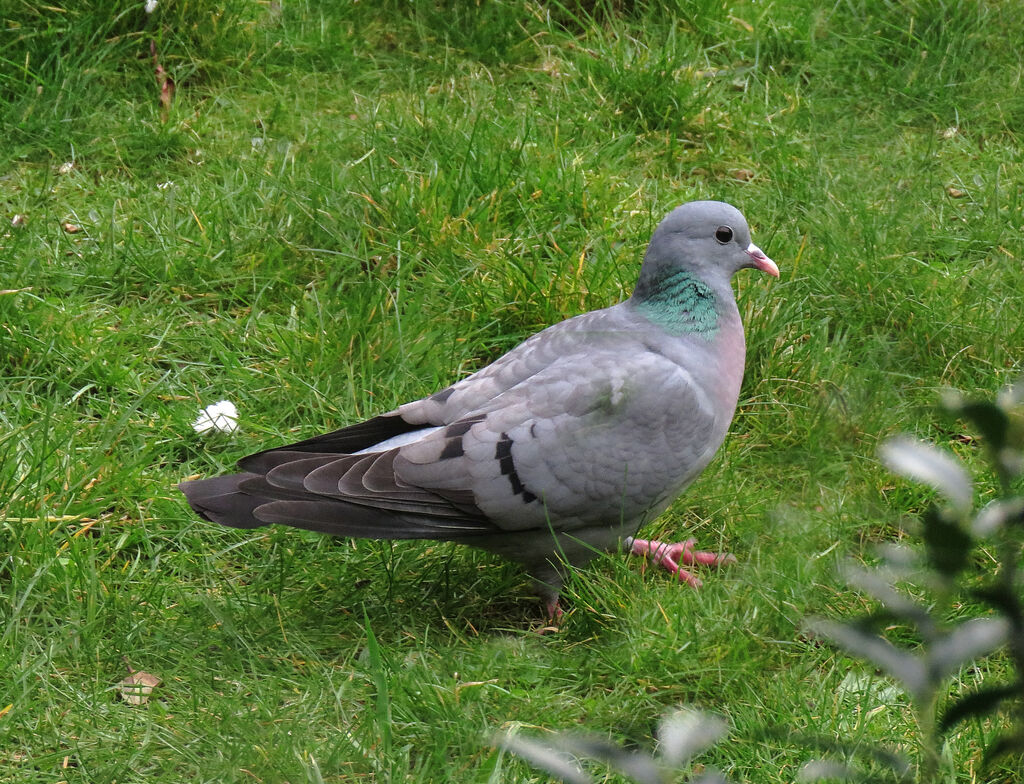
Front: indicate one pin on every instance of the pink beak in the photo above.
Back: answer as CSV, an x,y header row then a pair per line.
x,y
761,261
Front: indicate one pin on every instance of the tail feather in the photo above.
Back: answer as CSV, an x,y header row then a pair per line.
x,y
219,500
339,518
248,500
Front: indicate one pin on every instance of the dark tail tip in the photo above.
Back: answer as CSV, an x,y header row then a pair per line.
x,y
219,500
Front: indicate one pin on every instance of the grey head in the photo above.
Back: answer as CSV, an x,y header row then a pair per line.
x,y
708,240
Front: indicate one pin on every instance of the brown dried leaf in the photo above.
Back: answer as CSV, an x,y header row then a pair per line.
x,y
742,23
955,192
137,687
70,228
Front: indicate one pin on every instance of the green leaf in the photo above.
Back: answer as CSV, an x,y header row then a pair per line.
x,y
990,419
1012,396
997,515
996,421
684,734
709,777
1008,744
883,654
545,757
977,704
892,760
825,770
898,605
964,643
1002,599
638,766
947,544
926,463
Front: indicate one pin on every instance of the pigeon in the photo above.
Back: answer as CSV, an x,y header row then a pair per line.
x,y
561,449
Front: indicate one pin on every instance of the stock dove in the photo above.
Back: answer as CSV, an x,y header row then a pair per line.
x,y
562,448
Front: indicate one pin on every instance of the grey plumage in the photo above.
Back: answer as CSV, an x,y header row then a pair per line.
x,y
556,451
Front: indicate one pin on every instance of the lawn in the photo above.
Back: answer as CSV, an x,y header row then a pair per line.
x,y
333,208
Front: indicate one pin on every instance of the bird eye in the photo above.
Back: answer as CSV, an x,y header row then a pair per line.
x,y
723,234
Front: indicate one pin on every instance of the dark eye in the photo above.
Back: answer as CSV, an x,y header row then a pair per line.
x,y
723,234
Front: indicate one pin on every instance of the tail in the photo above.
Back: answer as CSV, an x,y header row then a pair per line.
x,y
247,500
220,500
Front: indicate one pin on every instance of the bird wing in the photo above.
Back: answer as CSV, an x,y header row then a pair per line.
x,y
594,438
460,400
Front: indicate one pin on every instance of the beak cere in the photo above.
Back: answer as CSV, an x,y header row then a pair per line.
x,y
761,261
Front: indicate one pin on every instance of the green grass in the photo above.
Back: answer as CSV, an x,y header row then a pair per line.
x,y
352,204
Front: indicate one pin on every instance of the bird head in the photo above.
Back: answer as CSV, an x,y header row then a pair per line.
x,y
709,239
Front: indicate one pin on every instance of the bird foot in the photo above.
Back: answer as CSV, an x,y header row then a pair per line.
x,y
674,556
553,609
553,615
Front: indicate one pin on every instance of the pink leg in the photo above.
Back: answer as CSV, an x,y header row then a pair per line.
x,y
553,610
553,615
676,555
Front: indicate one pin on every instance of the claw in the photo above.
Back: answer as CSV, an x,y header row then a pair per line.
x,y
673,556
